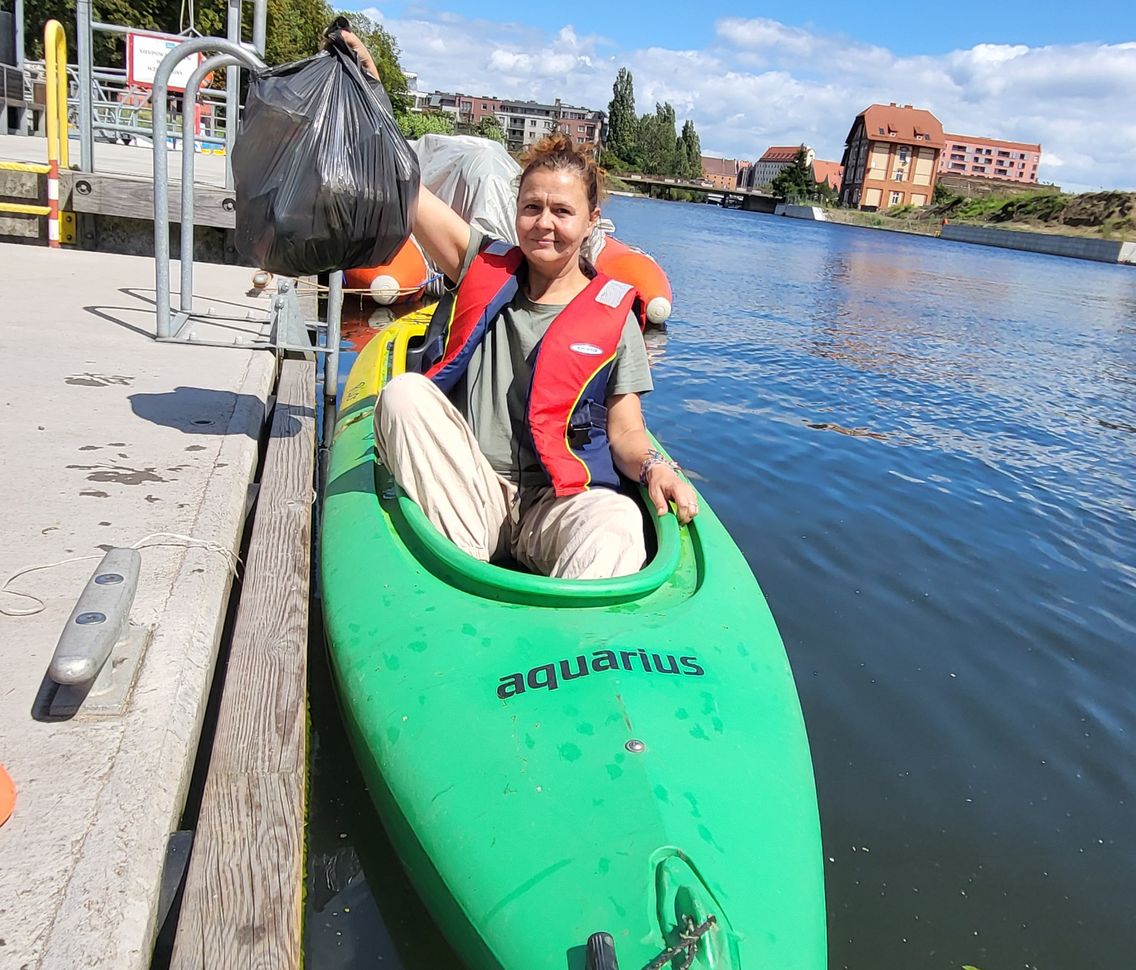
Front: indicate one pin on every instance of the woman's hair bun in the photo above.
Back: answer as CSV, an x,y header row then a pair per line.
x,y
557,151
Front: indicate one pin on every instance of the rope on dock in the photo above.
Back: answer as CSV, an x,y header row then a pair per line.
x,y
169,539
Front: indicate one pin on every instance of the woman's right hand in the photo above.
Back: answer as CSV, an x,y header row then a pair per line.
x,y
360,49
439,230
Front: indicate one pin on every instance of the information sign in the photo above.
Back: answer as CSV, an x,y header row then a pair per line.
x,y
144,55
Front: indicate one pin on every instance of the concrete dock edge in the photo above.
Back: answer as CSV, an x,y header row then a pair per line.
x,y
1078,247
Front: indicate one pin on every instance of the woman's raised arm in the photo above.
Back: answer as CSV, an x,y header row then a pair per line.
x,y
441,232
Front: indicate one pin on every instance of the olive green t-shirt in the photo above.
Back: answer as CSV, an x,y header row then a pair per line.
x,y
493,392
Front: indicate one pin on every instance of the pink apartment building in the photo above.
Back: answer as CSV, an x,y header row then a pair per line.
x,y
471,110
990,158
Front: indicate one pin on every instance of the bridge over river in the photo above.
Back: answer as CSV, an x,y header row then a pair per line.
x,y
750,199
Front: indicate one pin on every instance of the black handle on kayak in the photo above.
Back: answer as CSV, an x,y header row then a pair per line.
x,y
601,953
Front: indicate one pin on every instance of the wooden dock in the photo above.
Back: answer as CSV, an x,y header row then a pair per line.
x,y
108,202
243,893
116,437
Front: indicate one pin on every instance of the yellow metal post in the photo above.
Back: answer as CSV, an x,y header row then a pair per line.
x,y
55,58
55,53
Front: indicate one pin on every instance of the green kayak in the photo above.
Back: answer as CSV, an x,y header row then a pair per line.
x,y
576,774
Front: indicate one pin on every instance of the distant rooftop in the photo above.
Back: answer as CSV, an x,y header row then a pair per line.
x,y
556,105
719,166
901,123
780,153
972,139
833,172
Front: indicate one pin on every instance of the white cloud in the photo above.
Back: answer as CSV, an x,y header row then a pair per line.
x,y
762,82
760,33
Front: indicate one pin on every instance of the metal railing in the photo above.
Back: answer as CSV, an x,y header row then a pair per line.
x,y
11,86
287,328
123,112
226,53
102,105
87,76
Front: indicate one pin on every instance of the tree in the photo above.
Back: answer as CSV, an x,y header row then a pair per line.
x,y
108,49
689,152
293,29
794,183
657,140
622,126
489,127
826,194
611,162
384,50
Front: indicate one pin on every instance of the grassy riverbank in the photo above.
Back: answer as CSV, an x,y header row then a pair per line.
x,y
613,183
1101,215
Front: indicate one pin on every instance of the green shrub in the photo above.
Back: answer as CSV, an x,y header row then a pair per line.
x,y
942,195
416,125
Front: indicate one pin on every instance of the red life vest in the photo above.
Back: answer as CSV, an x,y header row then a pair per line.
x,y
566,412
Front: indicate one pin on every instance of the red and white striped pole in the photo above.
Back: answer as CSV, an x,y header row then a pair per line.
x,y
53,203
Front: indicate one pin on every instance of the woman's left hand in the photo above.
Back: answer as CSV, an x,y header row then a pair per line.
x,y
665,485
633,451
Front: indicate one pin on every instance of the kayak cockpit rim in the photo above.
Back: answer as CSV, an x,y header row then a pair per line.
x,y
438,554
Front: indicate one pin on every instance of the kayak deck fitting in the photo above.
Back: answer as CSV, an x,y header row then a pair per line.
x,y
576,774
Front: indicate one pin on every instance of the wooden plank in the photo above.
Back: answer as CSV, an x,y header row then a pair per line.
x,y
243,908
244,888
133,197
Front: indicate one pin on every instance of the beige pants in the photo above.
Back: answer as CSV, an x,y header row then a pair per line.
x,y
432,453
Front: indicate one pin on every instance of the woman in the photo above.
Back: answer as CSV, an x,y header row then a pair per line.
x,y
529,405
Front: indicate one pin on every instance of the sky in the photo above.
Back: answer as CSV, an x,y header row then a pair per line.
x,y
1001,70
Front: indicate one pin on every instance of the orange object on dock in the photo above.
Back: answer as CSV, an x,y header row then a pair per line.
x,y
629,265
7,795
402,280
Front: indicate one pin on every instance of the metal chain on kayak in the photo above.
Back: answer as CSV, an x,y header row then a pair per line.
x,y
687,947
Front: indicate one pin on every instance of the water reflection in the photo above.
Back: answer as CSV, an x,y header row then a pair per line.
x,y
363,318
840,429
360,909
656,340
957,599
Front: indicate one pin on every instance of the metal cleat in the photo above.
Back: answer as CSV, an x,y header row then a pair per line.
x,y
99,650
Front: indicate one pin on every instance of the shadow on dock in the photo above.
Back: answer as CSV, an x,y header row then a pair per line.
x,y
200,410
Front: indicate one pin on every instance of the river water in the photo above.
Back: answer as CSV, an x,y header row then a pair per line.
x,y
927,453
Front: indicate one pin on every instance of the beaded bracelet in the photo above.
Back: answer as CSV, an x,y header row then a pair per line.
x,y
656,457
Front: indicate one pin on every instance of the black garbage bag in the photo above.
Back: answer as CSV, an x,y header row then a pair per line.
x,y
325,180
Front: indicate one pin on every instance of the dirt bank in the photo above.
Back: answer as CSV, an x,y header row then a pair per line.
x,y
1105,215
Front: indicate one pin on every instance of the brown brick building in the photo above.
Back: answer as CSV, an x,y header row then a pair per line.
x,y
891,157
723,172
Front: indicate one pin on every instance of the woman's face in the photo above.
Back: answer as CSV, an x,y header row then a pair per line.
x,y
553,218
